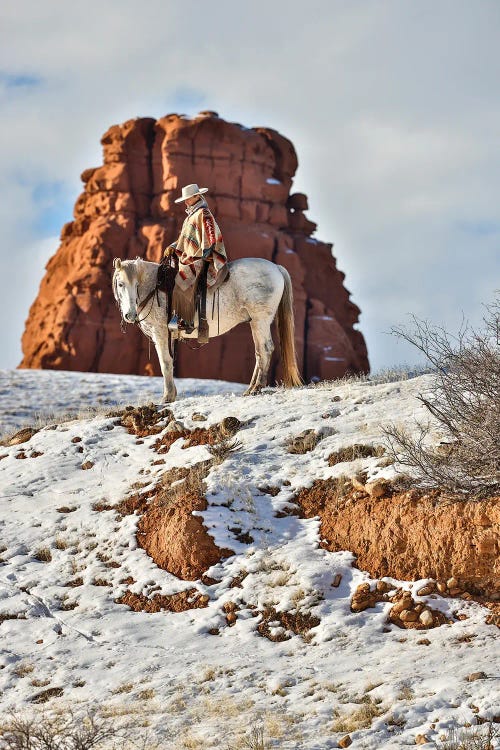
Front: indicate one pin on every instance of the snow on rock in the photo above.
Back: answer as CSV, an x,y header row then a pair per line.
x,y
271,632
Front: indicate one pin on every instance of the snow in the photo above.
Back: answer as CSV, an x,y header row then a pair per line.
x,y
209,687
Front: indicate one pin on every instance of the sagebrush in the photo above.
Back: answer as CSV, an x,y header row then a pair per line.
x,y
464,402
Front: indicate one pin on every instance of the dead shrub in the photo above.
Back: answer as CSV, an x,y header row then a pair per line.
x,y
470,738
221,451
63,731
464,401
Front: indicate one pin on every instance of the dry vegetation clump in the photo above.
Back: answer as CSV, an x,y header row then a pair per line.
x,y
299,623
360,718
464,402
212,436
353,452
43,554
46,695
303,443
190,482
142,420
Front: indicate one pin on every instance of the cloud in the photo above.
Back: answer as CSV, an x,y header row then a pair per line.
x,y
389,104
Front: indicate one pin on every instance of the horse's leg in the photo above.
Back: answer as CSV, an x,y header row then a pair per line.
x,y
167,367
264,347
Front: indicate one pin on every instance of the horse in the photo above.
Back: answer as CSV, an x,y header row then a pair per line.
x,y
256,291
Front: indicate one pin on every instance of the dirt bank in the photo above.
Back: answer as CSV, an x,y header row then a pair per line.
x,y
409,537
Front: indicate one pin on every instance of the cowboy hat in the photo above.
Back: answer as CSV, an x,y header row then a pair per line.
x,y
189,191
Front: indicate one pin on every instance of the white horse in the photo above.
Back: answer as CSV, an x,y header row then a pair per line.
x,y
256,292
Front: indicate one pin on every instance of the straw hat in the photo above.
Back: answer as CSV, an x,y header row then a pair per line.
x,y
189,191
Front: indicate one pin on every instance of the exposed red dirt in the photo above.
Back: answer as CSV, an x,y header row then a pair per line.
x,y
180,602
299,623
411,536
175,539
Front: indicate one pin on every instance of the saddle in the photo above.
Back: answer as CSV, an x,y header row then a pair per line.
x,y
182,306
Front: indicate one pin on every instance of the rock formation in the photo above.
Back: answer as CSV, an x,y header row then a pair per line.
x,y
127,209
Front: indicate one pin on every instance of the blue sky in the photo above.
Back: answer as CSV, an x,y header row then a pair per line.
x,y
391,105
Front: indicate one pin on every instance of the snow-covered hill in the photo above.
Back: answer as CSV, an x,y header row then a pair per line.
x,y
66,558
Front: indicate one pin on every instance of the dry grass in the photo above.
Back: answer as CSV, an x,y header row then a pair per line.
x,y
303,443
222,450
43,554
126,687
360,718
146,695
353,452
23,669
60,543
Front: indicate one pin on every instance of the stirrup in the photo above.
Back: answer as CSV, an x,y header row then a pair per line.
x,y
173,326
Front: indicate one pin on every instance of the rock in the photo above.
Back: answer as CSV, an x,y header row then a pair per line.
x,y
426,618
230,425
476,676
383,587
377,488
428,589
87,465
442,587
421,739
345,741
452,583
197,417
22,436
408,615
336,580
127,209
175,426
455,592
364,597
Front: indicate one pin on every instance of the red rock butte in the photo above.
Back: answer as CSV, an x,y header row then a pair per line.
x,y
127,210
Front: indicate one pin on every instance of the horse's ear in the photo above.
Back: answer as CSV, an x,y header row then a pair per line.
x,y
117,264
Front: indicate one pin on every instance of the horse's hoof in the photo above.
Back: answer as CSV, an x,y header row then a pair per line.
x,y
168,399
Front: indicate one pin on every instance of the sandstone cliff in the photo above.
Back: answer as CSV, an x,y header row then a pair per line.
x,y
127,209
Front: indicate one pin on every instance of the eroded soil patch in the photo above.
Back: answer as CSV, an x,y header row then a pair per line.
x,y
180,602
410,535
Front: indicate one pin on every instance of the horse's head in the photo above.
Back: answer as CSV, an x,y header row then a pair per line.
x,y
126,288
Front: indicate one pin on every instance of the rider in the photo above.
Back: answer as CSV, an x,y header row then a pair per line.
x,y
199,247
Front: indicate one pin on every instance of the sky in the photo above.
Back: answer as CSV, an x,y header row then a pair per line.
x,y
392,106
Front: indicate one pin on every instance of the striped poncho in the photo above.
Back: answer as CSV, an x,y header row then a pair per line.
x,y
200,239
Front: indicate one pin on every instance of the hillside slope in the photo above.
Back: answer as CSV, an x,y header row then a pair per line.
x,y
268,631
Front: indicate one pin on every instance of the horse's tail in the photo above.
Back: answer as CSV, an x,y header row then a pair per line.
x,y
286,328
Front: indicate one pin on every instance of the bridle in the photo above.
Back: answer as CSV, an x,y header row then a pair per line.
x,y
165,282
